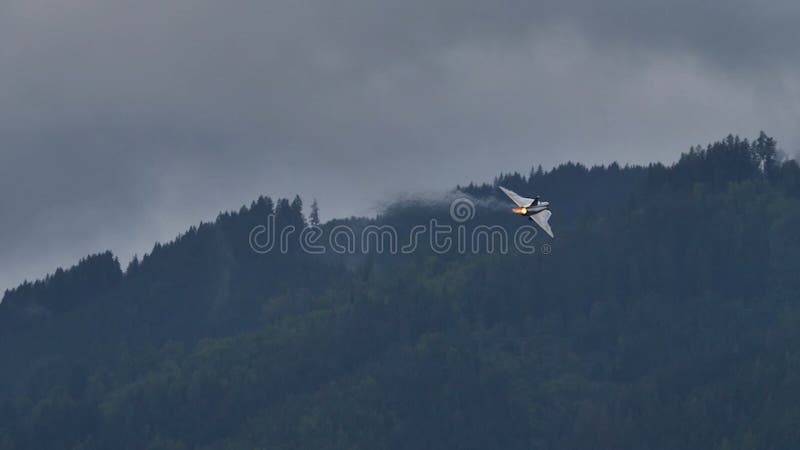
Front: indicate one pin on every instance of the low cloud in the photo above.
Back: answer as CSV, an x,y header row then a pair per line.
x,y
123,122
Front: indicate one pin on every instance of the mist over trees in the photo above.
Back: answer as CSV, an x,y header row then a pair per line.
x,y
666,316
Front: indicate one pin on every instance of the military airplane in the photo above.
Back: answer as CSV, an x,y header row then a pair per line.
x,y
536,210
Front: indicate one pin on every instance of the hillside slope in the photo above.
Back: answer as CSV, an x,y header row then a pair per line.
x,y
666,317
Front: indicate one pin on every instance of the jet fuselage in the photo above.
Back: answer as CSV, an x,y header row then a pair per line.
x,y
531,210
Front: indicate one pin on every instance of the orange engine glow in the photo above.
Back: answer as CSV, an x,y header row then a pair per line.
x,y
520,210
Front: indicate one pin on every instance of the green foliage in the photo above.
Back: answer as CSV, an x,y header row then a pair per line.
x,y
665,318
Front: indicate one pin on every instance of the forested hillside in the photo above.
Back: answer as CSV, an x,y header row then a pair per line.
x,y
664,315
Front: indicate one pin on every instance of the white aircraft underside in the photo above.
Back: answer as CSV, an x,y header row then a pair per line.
x,y
537,211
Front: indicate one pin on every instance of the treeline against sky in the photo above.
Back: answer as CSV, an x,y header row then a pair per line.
x,y
666,316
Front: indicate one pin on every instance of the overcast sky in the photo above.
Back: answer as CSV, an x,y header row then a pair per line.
x,y
122,122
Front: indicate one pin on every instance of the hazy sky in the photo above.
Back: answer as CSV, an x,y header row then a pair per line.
x,y
123,122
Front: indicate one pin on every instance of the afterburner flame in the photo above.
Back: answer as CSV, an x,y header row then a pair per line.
x,y
520,210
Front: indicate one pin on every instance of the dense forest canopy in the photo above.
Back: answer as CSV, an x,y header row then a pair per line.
x,y
666,316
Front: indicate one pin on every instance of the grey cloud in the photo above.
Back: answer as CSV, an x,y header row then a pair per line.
x,y
123,122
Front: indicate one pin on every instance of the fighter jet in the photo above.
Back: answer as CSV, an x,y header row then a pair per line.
x,y
535,210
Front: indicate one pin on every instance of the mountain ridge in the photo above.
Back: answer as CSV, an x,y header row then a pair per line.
x,y
671,307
